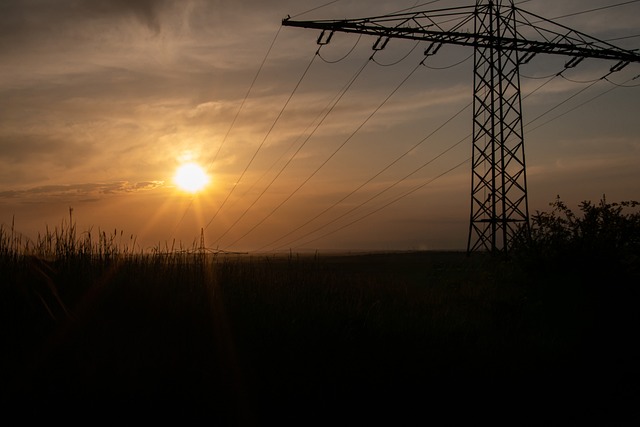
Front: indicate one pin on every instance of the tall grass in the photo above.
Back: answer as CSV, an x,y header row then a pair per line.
x,y
93,316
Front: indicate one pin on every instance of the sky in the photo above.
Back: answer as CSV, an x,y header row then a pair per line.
x,y
102,100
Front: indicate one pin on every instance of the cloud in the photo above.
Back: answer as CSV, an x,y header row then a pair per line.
x,y
25,20
81,191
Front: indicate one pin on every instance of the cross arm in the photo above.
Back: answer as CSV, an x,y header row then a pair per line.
x,y
423,33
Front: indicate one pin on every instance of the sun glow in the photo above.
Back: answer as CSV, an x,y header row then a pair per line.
x,y
191,178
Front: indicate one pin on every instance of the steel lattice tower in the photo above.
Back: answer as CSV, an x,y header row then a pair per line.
x,y
498,178
499,205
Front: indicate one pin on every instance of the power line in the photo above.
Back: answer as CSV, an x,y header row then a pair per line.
x,y
380,193
399,60
583,103
386,205
332,154
353,79
623,38
625,83
316,8
416,6
591,83
448,66
233,122
263,141
596,9
406,153
345,56
319,119
246,96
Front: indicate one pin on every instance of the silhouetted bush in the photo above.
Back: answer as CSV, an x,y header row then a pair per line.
x,y
603,241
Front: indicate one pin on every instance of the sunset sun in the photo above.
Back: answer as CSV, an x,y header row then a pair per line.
x,y
191,178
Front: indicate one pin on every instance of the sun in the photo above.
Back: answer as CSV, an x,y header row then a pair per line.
x,y
191,178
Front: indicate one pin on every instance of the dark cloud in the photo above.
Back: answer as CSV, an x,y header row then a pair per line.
x,y
28,15
46,24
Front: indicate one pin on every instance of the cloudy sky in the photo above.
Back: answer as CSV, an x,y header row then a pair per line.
x,y
102,100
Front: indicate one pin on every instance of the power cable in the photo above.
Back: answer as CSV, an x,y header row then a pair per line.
x,y
345,56
263,141
415,7
353,79
562,103
395,200
448,66
624,84
246,96
406,153
623,38
581,104
538,77
324,112
315,8
399,60
595,9
580,81
380,193
233,122
332,154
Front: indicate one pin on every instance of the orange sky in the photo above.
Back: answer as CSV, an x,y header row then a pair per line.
x,y
100,102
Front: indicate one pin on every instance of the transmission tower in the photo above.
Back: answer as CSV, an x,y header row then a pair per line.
x,y
503,38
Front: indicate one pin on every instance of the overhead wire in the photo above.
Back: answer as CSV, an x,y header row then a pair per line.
x,y
448,66
335,204
391,202
399,60
246,96
345,56
623,38
332,154
315,8
561,103
263,141
317,120
582,104
416,6
348,86
380,193
580,81
233,121
595,9
625,85
538,77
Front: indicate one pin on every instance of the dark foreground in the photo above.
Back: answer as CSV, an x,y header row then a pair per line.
x,y
419,338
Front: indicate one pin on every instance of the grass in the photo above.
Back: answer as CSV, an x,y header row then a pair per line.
x,y
88,320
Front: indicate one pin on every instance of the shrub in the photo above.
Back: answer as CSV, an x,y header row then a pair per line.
x,y
607,236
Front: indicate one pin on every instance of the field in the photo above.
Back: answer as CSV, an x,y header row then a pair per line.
x,y
429,336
